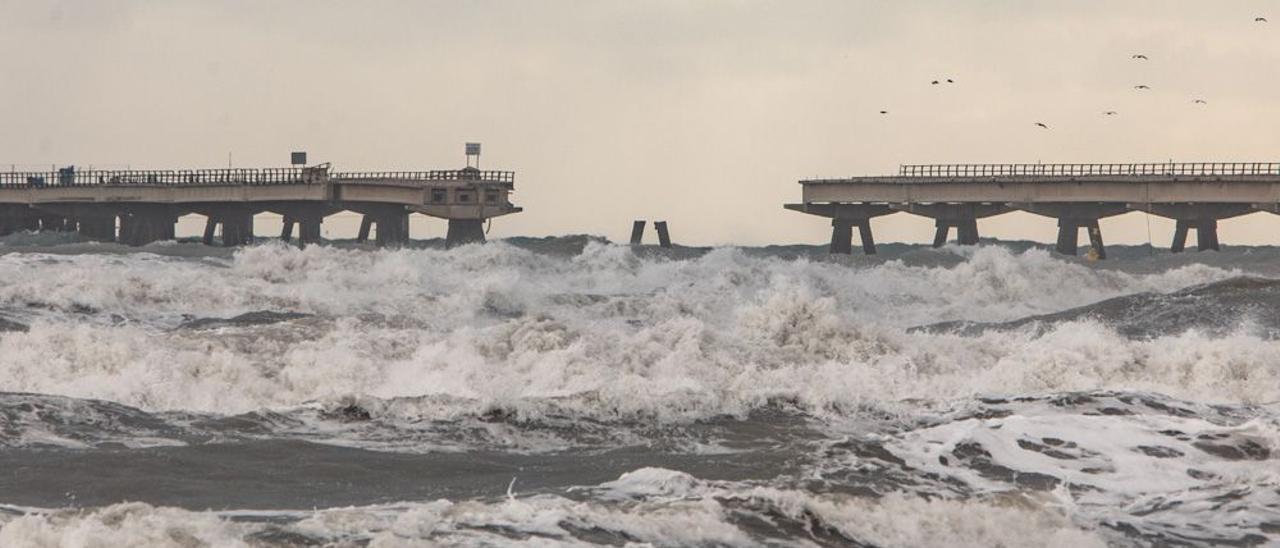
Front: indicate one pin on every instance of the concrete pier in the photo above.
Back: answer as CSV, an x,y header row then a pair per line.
x,y
664,237
148,203
637,232
1196,196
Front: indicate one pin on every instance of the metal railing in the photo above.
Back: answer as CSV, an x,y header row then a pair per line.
x,y
206,177
222,177
1193,169
435,175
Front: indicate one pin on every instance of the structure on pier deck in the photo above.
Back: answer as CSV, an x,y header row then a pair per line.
x,y
1195,195
145,205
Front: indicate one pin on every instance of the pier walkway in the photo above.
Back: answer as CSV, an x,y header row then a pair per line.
x,y
139,207
1195,195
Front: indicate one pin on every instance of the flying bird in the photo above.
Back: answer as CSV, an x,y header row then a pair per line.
x,y
1200,102
935,82
950,81
1140,56
884,112
1259,19
1141,86
1110,113
1041,124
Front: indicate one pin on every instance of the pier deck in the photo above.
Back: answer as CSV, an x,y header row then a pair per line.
x,y
138,207
1195,195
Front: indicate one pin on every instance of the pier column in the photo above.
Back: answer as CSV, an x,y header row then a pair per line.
x,y
237,227
286,230
962,217
393,228
1095,240
664,237
1068,236
210,229
1201,217
100,228
841,237
464,231
141,226
1180,236
366,223
637,232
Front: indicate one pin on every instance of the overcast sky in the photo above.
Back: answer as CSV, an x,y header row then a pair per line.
x,y
701,113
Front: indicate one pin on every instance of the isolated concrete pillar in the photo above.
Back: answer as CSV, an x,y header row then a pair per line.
x,y
637,232
463,231
664,237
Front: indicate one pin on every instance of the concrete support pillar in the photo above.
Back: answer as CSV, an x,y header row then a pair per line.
x,y
1095,239
210,229
309,230
99,228
1207,235
141,227
664,238
393,227
841,237
1180,236
868,243
943,229
286,231
1068,234
967,231
637,232
463,231
366,224
237,227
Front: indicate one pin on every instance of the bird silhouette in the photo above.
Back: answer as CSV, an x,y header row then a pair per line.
x,y
1110,113
1141,86
884,112
935,82
1041,124
950,81
1140,56
1260,19
1200,102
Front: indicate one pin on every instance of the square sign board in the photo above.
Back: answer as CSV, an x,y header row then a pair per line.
x,y
473,149
298,158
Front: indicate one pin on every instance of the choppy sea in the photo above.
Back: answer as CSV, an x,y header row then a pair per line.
x,y
570,391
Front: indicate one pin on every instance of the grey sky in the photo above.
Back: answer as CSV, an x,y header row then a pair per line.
x,y
702,113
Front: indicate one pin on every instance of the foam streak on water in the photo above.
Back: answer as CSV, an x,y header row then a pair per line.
x,y
728,396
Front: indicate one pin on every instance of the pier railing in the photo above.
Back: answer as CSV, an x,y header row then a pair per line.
x,y
1206,169
220,177
436,175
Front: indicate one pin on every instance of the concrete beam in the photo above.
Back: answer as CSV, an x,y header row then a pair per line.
x,y
843,211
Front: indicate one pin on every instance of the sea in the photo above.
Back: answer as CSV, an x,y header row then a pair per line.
x,y
569,391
